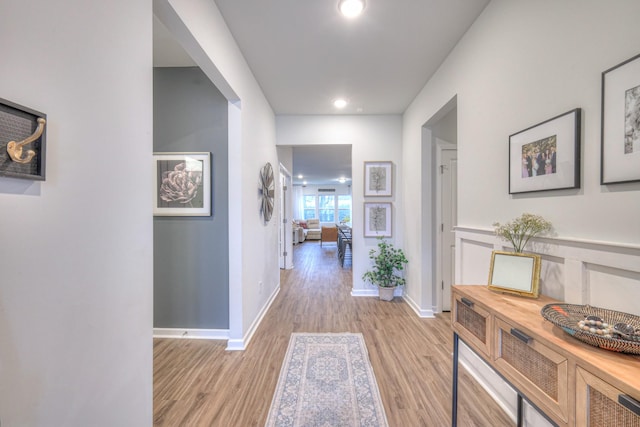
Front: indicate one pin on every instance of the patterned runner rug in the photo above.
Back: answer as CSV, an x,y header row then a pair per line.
x,y
326,380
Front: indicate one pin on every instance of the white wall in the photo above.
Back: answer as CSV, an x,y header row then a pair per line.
x,y
521,63
76,253
372,138
253,249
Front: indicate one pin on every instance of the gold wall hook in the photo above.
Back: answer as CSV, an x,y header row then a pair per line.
x,y
15,148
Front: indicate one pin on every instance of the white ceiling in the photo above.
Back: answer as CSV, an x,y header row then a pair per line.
x,y
322,164
304,54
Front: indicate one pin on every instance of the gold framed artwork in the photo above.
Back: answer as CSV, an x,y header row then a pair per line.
x,y
515,273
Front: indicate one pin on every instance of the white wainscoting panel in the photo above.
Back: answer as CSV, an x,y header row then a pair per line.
x,y
603,274
613,288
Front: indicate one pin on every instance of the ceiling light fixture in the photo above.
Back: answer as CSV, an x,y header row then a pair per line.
x,y
300,176
342,180
340,103
351,8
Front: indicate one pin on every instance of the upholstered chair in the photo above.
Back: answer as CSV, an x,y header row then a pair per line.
x,y
329,234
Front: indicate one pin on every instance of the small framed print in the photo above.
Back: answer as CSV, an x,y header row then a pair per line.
x,y
546,156
515,273
377,179
620,150
182,184
377,219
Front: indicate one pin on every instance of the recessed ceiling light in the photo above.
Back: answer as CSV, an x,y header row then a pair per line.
x,y
340,103
351,8
342,180
300,176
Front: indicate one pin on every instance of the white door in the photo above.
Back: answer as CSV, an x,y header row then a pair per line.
x,y
449,216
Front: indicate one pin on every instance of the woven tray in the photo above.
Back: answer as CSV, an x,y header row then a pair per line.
x,y
567,317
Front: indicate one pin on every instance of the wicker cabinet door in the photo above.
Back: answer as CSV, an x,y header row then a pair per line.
x,y
535,369
598,403
472,322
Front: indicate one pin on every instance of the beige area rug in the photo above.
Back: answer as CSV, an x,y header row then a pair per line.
x,y
326,380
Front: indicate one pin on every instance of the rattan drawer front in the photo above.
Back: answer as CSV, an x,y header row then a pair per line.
x,y
597,403
535,369
472,322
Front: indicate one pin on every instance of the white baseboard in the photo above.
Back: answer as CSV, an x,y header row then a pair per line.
x,y
199,334
364,292
416,308
373,292
241,344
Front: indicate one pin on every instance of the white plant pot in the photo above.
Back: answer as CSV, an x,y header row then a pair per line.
x,y
386,293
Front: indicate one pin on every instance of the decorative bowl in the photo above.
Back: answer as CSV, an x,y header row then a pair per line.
x,y
569,317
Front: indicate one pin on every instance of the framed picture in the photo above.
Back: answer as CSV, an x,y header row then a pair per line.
x,y
23,137
182,184
515,273
546,156
620,157
377,179
377,219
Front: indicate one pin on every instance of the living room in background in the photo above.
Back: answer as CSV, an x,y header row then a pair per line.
x,y
328,208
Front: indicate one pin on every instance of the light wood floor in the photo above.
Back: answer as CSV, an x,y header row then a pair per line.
x,y
198,383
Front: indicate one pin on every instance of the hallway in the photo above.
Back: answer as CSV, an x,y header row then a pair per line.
x,y
198,383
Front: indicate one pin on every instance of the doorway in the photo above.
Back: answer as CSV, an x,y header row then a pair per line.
x,y
448,214
441,202
320,188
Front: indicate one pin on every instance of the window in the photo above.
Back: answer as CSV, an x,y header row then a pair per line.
x,y
309,204
344,208
326,208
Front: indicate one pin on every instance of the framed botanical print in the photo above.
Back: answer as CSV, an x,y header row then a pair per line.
x,y
377,179
182,184
377,219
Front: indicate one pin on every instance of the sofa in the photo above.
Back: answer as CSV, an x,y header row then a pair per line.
x,y
311,227
298,233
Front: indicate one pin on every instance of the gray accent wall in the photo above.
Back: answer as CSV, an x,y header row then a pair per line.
x,y
191,261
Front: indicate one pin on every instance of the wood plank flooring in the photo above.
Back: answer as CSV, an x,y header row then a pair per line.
x,y
198,383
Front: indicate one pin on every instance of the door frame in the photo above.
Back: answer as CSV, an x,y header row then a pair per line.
x,y
285,232
441,146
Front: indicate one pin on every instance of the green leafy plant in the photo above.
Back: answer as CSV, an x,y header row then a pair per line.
x,y
387,263
519,231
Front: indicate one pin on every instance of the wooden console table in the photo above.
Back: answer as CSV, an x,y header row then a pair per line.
x,y
571,383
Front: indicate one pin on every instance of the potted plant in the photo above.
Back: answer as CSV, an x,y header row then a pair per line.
x,y
519,231
388,262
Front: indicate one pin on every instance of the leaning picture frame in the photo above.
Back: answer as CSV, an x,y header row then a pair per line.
x,y
377,219
546,156
515,273
182,184
378,179
620,125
